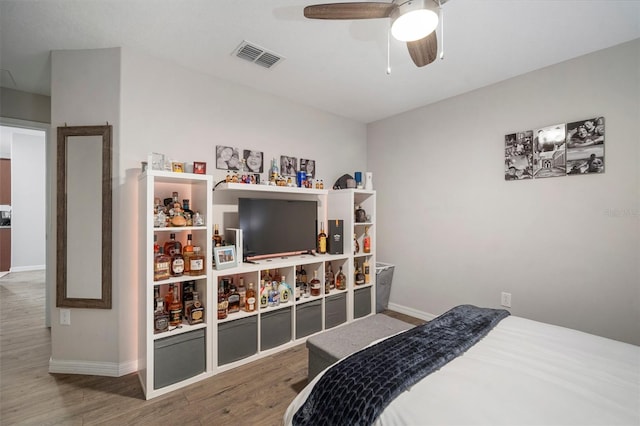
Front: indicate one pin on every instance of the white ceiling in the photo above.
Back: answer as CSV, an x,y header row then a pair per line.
x,y
337,66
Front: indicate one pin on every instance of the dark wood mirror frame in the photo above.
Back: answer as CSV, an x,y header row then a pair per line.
x,y
62,298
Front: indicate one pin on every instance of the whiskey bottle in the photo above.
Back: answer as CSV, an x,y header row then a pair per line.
x,y
315,285
285,291
330,277
242,291
175,311
264,294
223,304
188,288
160,317
177,262
234,300
195,311
250,303
366,241
217,239
196,262
274,294
356,245
365,271
341,280
187,253
168,297
161,266
359,278
156,246
170,246
322,240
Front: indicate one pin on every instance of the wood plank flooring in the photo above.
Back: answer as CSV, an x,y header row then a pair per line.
x,y
254,394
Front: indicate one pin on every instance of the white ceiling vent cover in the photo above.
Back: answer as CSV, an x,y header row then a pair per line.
x,y
258,55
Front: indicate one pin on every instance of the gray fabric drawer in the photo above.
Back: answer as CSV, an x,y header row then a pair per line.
x,y
178,358
275,328
362,302
308,318
335,310
237,339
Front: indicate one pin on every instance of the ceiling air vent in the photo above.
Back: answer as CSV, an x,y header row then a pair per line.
x,y
257,55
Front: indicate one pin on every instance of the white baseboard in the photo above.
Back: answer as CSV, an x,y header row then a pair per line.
x,y
92,368
410,311
27,268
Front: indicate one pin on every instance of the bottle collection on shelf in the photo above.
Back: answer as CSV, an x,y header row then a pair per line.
x,y
232,299
171,260
176,306
169,212
244,175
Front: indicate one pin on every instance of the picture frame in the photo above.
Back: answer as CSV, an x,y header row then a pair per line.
x,y
199,167
225,257
177,167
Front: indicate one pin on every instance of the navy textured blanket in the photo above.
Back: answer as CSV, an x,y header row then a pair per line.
x,y
357,389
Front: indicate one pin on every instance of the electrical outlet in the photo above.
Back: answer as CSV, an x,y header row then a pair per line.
x,y
65,316
506,300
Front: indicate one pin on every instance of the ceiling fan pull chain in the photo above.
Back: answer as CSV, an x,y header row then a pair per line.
x,y
388,51
441,30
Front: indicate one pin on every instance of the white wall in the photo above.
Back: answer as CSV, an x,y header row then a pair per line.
x,y
183,114
567,248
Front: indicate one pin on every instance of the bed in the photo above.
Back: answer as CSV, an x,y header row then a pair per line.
x,y
520,372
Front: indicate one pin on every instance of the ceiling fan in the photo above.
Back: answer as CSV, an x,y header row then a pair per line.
x,y
412,21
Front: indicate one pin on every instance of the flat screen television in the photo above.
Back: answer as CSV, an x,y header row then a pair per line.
x,y
273,227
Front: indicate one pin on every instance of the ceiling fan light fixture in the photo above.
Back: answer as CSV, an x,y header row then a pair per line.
x,y
413,20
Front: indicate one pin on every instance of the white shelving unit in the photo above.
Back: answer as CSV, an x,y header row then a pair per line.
x,y
198,189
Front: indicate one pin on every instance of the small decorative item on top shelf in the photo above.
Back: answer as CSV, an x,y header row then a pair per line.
x,y
361,215
358,179
157,161
199,167
225,257
177,167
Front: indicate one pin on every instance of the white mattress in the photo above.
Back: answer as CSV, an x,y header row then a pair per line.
x,y
524,373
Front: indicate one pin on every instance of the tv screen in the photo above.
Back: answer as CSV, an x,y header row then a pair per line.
x,y
272,227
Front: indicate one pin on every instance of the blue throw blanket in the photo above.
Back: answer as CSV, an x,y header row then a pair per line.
x,y
357,389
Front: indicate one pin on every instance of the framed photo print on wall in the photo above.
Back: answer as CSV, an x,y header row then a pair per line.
x,y
585,146
199,168
227,157
225,257
308,166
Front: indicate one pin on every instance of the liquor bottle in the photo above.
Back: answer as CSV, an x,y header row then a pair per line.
x,y
356,245
264,294
195,311
175,310
285,291
161,266
187,252
366,241
189,246
274,172
341,280
322,240
217,239
303,274
156,246
196,262
160,316
177,262
242,291
234,300
223,304
188,288
170,246
168,297
330,277
250,303
359,278
274,294
267,277
365,271
315,285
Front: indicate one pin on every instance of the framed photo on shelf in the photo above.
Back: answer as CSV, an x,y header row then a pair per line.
x,y
225,257
177,167
199,168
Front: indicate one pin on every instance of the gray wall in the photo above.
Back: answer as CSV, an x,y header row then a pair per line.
x,y
24,106
566,248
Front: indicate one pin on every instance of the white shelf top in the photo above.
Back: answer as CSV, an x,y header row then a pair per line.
x,y
269,188
181,177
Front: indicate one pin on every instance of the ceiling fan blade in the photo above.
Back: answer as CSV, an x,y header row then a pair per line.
x,y
425,50
363,10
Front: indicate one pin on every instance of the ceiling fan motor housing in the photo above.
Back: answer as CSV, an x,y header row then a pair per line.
x,y
414,19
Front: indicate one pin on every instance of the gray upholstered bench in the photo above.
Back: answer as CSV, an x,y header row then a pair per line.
x,y
332,345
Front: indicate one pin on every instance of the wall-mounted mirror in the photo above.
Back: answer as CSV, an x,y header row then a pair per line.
x,y
83,275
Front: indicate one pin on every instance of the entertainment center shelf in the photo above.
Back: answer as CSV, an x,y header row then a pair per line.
x,y
222,344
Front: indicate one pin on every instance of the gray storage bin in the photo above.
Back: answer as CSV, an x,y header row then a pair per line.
x,y
237,339
275,328
178,358
384,277
362,302
308,318
335,310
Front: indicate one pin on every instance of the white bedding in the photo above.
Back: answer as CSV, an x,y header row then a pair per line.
x,y
524,373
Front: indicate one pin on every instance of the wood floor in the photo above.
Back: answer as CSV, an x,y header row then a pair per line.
x,y
254,394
